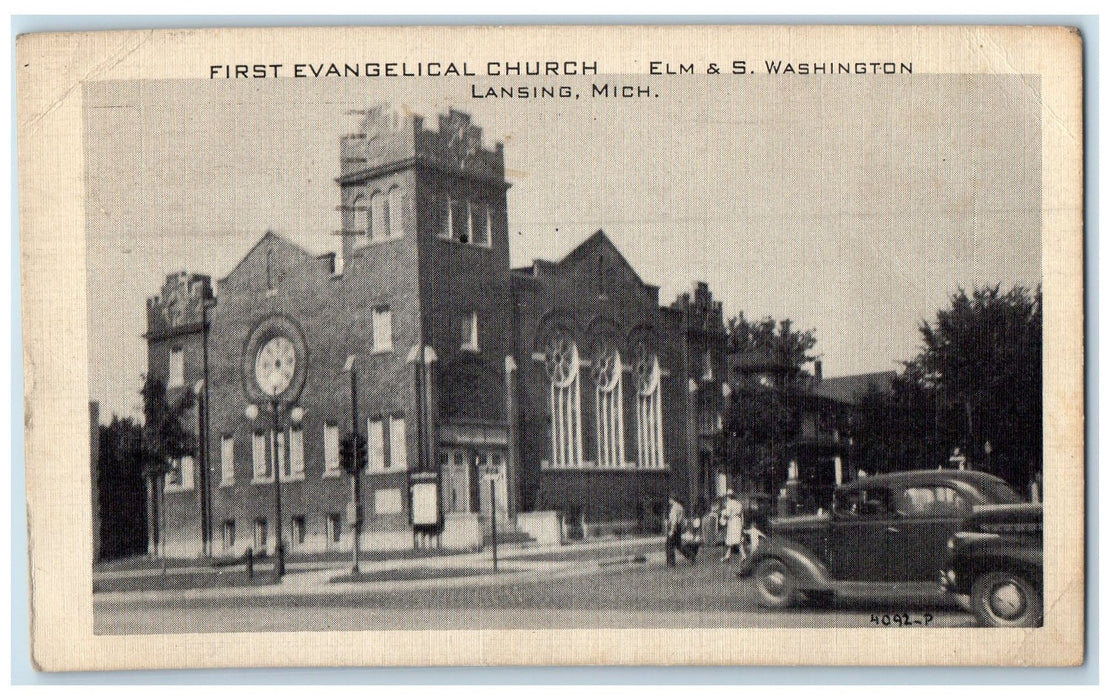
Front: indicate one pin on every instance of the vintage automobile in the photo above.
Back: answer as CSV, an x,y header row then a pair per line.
x,y
885,529
997,559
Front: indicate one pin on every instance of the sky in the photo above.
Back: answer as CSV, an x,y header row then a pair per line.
x,y
853,205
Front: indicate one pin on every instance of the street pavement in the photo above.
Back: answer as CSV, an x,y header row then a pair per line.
x,y
603,584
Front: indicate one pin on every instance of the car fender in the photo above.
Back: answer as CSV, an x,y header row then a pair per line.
x,y
812,574
972,561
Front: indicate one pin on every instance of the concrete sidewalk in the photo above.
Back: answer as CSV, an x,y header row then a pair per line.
x,y
315,578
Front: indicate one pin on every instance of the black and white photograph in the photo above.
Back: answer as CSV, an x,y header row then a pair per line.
x,y
498,335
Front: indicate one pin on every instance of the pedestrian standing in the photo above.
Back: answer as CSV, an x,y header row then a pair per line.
x,y
676,514
733,514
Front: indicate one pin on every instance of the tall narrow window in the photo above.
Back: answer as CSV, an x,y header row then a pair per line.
x,y
227,459
258,457
649,420
479,223
260,529
331,450
609,400
375,446
393,213
229,534
354,218
443,207
375,217
468,325
187,466
387,215
398,446
297,521
177,368
561,364
180,475
335,529
460,221
382,329
270,281
296,452
282,456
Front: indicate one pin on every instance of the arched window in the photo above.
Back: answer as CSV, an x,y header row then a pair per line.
x,y
376,216
357,219
561,363
393,212
606,370
649,414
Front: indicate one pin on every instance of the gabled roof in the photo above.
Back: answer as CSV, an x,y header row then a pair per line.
x,y
269,235
589,249
849,388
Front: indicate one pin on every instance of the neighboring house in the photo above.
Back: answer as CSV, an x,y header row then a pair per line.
x,y
819,454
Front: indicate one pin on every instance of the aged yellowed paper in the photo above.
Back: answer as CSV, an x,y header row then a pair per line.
x,y
553,345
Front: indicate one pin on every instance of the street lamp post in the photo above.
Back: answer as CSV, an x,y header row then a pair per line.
x,y
279,544
356,505
295,416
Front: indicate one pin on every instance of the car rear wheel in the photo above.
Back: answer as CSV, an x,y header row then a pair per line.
x,y
775,584
1006,599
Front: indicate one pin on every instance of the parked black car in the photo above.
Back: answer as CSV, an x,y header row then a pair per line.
x,y
997,559
890,528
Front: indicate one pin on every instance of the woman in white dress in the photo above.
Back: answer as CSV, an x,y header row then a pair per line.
x,y
733,515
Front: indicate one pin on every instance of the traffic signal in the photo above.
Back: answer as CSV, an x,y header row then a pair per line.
x,y
352,452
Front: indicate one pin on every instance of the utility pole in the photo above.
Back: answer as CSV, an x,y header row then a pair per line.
x,y
356,515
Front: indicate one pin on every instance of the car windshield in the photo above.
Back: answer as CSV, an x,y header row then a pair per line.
x,y
999,492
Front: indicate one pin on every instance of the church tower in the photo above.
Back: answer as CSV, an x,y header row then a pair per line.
x,y
443,192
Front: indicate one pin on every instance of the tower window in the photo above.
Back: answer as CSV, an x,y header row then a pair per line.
x,y
468,325
443,218
460,221
393,213
177,368
376,216
479,223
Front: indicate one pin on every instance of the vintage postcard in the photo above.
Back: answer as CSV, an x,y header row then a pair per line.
x,y
553,345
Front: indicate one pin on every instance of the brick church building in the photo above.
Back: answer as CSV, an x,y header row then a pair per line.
x,y
566,384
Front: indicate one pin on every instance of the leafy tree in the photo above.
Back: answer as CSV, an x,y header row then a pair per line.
x,y
165,437
765,410
897,429
982,358
775,341
121,489
976,385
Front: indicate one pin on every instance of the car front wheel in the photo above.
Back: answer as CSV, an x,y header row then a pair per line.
x,y
775,584
1006,599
